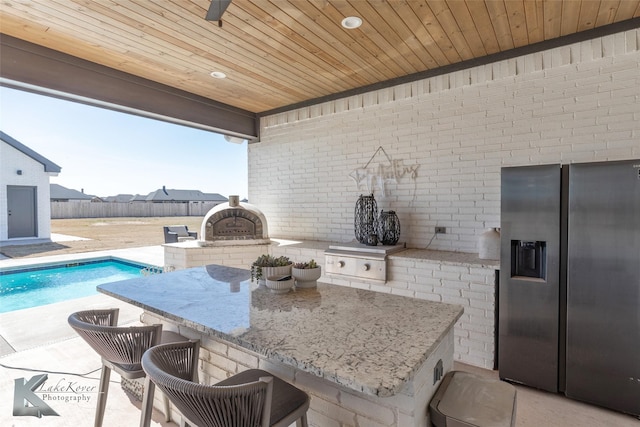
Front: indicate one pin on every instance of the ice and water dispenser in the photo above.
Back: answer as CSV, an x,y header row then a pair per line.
x,y
528,259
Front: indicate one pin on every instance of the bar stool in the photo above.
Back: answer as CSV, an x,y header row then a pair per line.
x,y
121,349
250,398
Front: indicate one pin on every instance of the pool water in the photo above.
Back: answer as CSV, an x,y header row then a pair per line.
x,y
33,287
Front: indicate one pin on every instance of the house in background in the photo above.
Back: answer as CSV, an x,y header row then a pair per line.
x,y
123,198
25,210
64,194
164,195
183,196
67,203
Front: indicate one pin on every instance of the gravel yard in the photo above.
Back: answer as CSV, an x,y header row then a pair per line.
x,y
103,234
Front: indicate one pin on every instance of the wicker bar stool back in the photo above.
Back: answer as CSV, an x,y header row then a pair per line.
x,y
253,398
121,350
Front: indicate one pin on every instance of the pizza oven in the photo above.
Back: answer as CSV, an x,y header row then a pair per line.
x,y
234,222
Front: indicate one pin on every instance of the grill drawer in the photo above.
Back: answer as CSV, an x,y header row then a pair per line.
x,y
370,267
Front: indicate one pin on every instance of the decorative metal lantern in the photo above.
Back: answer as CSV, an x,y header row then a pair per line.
x,y
388,228
366,218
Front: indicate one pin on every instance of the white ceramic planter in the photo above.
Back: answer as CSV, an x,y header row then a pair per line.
x,y
279,286
306,277
274,271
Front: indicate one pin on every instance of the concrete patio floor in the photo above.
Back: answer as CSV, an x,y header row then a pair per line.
x,y
38,341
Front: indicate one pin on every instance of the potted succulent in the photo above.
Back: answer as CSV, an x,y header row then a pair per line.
x,y
306,274
267,265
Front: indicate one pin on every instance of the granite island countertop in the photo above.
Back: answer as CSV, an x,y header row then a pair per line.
x,y
368,341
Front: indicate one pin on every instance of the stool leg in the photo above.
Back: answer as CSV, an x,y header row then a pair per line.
x,y
147,403
102,395
167,408
302,421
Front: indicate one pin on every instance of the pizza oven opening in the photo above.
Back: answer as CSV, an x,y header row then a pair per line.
x,y
235,223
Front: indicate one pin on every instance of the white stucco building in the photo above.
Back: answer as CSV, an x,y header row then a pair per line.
x,y
25,209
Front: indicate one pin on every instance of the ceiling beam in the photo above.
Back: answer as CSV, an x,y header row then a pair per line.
x,y
35,68
216,9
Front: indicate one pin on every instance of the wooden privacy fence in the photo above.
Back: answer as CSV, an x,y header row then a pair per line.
x,y
65,210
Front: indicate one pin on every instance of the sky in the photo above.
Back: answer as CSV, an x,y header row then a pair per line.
x,y
107,153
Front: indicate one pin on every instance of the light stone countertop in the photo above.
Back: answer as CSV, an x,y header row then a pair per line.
x,y
367,341
447,257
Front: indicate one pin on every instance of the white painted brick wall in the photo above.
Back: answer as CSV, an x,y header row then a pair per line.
x,y
575,103
186,255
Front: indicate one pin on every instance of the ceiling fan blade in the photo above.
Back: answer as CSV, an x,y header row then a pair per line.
x,y
216,9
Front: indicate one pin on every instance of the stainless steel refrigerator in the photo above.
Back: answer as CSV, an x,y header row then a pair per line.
x,y
569,290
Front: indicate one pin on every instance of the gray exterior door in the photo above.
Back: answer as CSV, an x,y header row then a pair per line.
x,y
22,213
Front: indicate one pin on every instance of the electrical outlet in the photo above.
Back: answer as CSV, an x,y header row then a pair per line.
x,y
441,230
438,371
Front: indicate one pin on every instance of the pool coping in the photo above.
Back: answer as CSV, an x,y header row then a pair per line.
x,y
150,255
71,263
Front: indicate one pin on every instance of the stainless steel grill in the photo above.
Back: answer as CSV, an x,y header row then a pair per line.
x,y
358,261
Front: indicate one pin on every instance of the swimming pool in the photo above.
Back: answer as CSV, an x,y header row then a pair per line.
x,y
35,286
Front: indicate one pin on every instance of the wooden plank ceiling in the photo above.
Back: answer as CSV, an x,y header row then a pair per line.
x,y
278,53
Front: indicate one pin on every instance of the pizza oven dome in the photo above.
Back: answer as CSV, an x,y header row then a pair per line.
x,y
234,222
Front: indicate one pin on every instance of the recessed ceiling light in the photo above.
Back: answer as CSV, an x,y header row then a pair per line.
x,y
218,75
351,22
